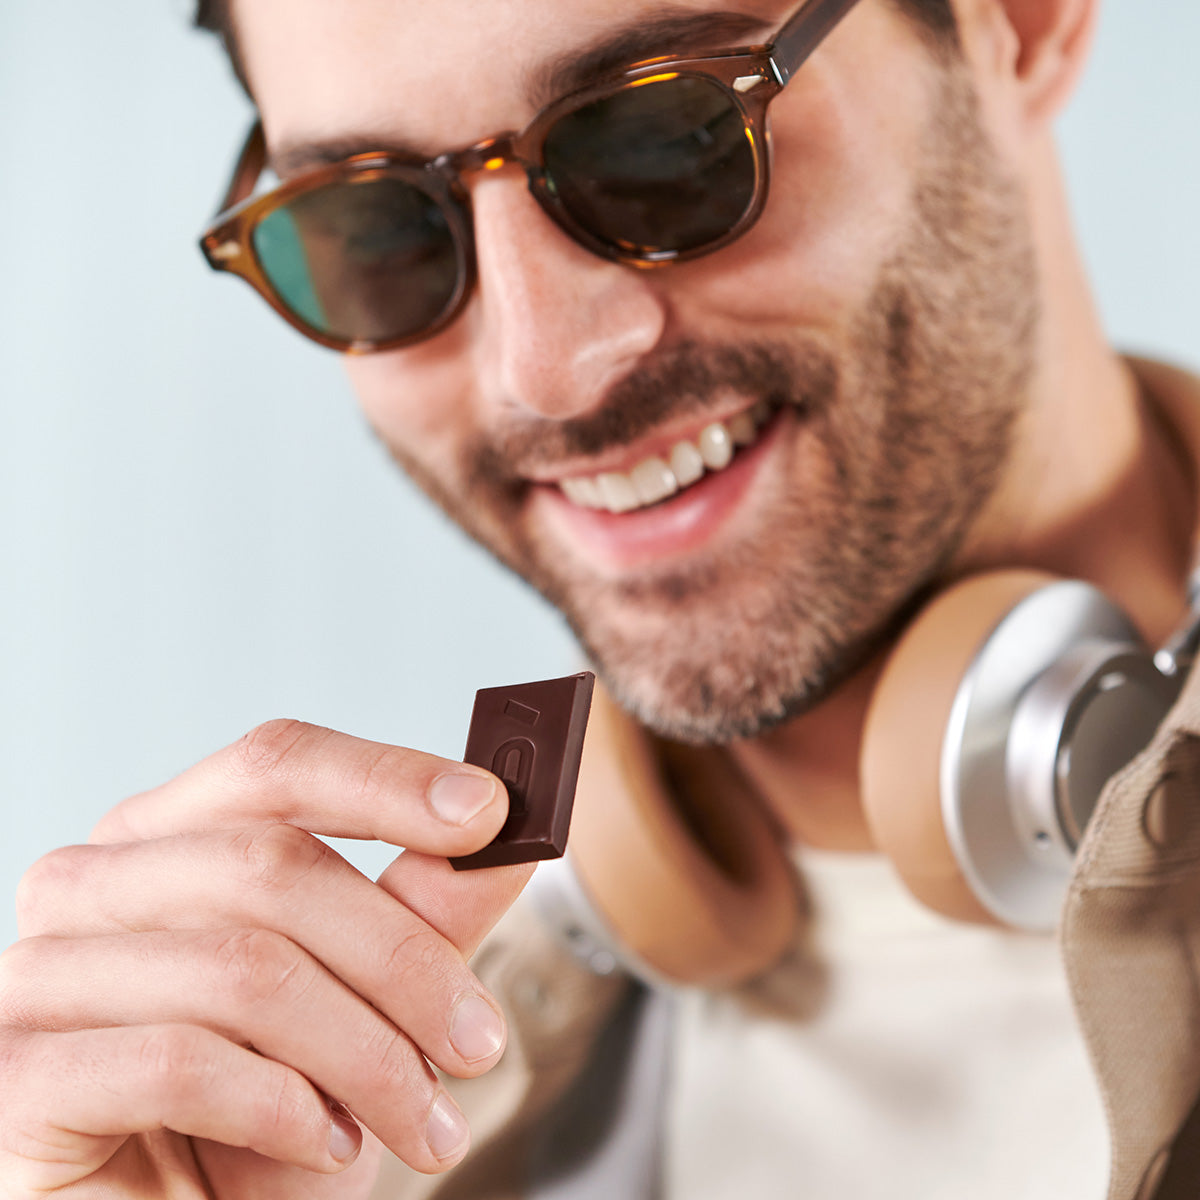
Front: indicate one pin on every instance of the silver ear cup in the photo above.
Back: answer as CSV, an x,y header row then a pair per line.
x,y
1060,696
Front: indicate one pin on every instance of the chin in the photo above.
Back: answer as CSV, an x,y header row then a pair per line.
x,y
705,672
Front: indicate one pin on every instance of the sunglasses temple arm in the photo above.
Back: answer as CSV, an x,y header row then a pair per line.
x,y
250,163
804,33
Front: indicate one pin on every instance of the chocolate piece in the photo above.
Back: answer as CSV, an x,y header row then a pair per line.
x,y
531,736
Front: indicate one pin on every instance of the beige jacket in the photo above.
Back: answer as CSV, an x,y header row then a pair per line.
x,y
1130,940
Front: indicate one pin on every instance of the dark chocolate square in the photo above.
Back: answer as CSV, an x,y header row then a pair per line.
x,y
531,736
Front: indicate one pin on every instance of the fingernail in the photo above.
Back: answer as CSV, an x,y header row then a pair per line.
x,y
344,1140
457,798
476,1029
447,1132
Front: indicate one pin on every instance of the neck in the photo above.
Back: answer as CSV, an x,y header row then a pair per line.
x,y
1100,482
1101,486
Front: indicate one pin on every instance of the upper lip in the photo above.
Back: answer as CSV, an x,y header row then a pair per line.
x,y
622,459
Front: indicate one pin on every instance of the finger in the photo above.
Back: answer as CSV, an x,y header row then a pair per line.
x,y
71,1100
254,989
238,1173
325,782
462,906
280,879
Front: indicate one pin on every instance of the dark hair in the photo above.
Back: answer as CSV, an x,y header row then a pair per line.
x,y
937,14
934,16
211,15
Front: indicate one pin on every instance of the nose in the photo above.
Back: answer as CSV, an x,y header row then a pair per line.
x,y
559,325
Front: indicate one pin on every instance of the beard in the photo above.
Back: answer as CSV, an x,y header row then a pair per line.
x,y
891,447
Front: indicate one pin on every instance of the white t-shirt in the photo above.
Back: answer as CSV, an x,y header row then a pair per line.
x,y
932,1060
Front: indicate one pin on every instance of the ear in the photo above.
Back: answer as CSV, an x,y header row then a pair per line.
x,y
1041,45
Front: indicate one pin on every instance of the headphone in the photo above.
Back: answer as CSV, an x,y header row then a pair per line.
x,y
992,726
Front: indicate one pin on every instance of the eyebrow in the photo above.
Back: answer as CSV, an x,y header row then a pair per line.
x,y
673,32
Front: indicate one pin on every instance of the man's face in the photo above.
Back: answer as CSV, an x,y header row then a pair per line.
x,y
869,339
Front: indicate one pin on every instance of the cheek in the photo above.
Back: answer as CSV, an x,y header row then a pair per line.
x,y
840,203
418,403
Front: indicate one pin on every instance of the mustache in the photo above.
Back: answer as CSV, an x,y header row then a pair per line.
x,y
683,381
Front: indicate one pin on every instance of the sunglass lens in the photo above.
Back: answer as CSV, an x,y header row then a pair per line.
x,y
662,167
370,260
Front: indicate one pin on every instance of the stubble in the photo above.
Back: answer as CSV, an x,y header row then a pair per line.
x,y
901,436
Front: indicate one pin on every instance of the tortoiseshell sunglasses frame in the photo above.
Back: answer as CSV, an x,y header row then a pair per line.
x,y
752,76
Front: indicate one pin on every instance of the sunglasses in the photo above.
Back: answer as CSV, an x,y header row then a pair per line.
x,y
661,162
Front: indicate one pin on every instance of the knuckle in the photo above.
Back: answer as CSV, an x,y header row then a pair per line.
x,y
284,1110
257,965
20,966
173,1060
277,857
42,887
14,1056
270,748
425,970
419,958
391,1066
378,775
290,1105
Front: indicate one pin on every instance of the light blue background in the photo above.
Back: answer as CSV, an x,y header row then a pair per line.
x,y
196,531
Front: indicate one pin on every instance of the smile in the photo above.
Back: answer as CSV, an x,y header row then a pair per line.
x,y
656,478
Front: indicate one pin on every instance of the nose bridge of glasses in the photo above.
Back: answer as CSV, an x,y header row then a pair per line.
x,y
491,154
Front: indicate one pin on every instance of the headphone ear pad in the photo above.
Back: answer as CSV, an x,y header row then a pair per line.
x,y
905,730
679,860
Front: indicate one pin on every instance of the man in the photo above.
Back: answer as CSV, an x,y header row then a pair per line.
x,y
737,475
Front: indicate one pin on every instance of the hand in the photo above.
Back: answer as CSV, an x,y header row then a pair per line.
x,y
206,991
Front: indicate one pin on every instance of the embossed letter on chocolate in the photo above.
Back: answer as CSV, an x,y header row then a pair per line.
x,y
531,736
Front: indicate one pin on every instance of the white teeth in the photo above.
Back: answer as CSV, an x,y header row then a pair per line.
x,y
583,492
716,446
592,496
653,479
686,463
617,492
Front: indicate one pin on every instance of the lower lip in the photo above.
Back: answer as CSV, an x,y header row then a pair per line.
x,y
676,527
